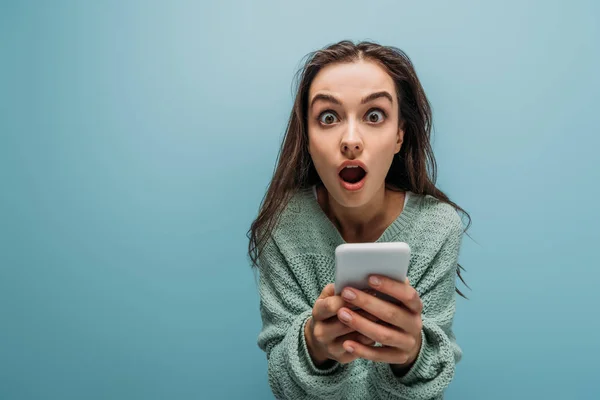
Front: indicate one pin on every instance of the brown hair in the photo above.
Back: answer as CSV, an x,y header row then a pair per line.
x,y
413,168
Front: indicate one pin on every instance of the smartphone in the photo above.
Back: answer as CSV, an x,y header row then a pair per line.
x,y
355,262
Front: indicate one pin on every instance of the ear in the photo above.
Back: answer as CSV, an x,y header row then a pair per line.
x,y
399,138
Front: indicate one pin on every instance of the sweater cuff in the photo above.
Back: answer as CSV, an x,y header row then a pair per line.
x,y
384,370
307,359
312,379
395,386
429,375
420,362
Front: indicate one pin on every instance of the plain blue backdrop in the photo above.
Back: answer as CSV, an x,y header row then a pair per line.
x,y
137,139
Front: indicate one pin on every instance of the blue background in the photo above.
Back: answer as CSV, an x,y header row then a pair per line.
x,y
137,140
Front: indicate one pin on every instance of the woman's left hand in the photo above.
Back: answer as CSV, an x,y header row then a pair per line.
x,y
399,330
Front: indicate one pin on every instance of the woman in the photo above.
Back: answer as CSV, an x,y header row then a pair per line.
x,y
356,165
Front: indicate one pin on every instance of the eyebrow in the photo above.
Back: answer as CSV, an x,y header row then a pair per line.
x,y
366,99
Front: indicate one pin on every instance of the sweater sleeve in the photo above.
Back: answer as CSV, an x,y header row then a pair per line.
x,y
284,312
433,369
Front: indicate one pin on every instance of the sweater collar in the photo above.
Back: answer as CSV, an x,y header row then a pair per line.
x,y
391,234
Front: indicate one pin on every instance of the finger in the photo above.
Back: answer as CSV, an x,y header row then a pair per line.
x,y
367,315
327,291
328,307
356,337
360,338
336,349
393,314
329,330
388,355
387,336
332,328
402,291
346,358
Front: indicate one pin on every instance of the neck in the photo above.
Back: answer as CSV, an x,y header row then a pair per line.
x,y
367,222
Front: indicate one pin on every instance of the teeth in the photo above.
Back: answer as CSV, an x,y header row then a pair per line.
x,y
352,166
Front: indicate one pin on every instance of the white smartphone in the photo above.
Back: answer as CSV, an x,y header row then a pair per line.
x,y
355,262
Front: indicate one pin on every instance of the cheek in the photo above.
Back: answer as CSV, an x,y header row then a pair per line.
x,y
384,152
318,149
321,154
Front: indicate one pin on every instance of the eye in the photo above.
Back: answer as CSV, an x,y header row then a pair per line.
x,y
328,118
375,116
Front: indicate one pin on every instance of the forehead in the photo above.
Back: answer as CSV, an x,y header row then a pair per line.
x,y
354,79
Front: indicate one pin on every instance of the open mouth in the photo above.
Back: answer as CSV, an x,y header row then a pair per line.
x,y
352,174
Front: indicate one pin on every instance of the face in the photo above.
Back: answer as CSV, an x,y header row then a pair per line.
x,y
353,130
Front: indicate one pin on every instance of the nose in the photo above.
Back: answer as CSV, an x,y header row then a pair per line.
x,y
351,144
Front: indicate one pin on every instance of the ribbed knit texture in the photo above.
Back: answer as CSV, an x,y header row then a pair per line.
x,y
298,262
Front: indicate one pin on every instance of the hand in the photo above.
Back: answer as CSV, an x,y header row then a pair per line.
x,y
399,330
325,333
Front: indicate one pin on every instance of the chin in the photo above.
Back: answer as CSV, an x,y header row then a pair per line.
x,y
350,199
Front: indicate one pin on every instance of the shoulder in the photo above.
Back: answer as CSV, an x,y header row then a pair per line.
x,y
435,223
435,215
435,240
302,227
296,213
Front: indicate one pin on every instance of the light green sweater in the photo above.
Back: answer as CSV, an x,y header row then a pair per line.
x,y
298,262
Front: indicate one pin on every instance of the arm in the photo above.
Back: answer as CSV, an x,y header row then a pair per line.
x,y
433,369
284,312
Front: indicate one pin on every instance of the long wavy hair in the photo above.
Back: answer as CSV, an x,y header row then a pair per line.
x,y
413,168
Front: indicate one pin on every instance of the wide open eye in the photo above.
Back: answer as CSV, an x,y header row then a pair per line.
x,y
375,116
328,118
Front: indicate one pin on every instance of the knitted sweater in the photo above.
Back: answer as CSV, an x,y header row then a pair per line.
x,y
298,262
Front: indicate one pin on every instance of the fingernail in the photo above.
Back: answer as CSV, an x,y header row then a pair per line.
x,y
348,294
374,281
345,316
350,349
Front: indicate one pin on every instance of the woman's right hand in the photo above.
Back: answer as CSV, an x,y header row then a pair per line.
x,y
325,333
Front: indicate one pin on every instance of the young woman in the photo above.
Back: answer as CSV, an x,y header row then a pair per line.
x,y
356,165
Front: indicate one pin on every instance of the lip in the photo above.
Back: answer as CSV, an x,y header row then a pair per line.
x,y
353,187
352,162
